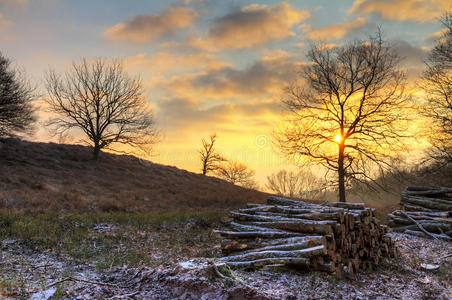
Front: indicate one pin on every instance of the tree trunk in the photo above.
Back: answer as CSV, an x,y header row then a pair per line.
x,y
96,151
341,172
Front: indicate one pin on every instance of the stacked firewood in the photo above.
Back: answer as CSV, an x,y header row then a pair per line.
x,y
427,211
329,237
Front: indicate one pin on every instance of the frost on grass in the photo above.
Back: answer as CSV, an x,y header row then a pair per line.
x,y
26,272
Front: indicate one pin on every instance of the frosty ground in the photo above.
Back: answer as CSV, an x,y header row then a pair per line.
x,y
163,259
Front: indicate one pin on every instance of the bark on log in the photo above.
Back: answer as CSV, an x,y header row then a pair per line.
x,y
306,253
245,244
437,204
431,227
444,214
269,261
242,227
415,208
258,234
305,226
288,202
294,246
248,217
422,234
346,205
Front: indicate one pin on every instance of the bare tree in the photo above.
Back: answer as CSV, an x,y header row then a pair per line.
x,y
347,110
210,159
16,95
302,184
101,100
437,84
237,173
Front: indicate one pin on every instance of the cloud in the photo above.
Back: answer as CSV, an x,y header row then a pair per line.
x,y
263,77
147,28
412,55
402,10
432,38
337,31
252,25
4,23
186,114
164,62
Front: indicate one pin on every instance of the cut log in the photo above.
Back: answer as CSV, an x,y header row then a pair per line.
x,y
242,227
306,253
431,227
444,214
258,234
346,205
322,216
230,245
249,217
415,208
298,261
425,190
288,202
427,202
304,226
422,234
294,246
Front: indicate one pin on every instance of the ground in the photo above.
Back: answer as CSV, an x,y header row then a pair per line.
x,y
123,258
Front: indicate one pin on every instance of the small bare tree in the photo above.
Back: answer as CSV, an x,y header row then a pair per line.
x,y
16,96
437,84
303,184
347,110
210,159
100,99
237,173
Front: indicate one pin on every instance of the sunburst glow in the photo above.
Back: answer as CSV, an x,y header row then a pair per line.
x,y
338,138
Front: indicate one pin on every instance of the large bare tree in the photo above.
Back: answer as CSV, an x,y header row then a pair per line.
x,y
347,109
437,84
102,101
16,96
208,155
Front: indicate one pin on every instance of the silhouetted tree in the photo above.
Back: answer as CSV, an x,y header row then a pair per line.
x,y
347,109
16,95
237,173
210,159
302,184
437,84
99,98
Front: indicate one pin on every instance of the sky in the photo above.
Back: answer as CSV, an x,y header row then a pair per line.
x,y
209,66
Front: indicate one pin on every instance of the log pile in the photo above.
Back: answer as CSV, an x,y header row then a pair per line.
x,y
427,212
331,237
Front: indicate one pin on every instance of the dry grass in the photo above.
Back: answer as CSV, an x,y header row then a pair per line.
x,y
41,177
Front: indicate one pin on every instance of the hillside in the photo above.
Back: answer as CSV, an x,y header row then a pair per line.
x,y
38,177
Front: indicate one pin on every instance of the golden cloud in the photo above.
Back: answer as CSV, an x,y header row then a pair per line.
x,y
251,25
164,62
403,10
266,76
337,31
432,38
147,28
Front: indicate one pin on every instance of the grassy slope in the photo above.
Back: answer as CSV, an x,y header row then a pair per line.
x,y
41,177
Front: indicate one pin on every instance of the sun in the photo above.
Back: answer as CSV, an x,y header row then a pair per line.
x,y
338,138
